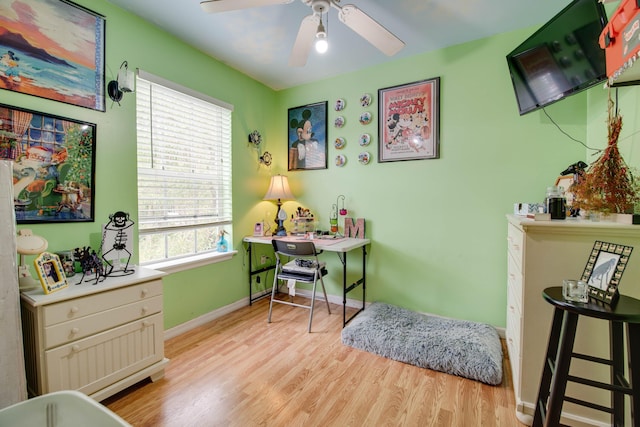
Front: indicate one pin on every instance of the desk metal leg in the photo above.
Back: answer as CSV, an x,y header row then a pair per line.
x,y
252,273
345,290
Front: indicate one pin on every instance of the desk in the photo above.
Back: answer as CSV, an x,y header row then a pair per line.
x,y
555,376
341,246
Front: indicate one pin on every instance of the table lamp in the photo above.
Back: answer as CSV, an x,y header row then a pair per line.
x,y
279,190
28,244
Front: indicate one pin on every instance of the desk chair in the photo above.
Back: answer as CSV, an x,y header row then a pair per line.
x,y
309,271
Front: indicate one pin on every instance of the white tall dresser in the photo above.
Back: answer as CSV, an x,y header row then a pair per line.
x,y
97,339
541,254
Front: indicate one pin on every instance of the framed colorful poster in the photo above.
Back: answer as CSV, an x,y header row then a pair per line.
x,y
307,140
409,121
53,49
54,165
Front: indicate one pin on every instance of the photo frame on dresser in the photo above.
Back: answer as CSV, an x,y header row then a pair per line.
x,y
50,272
604,269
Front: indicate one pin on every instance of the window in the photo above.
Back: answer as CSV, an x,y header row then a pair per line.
x,y
184,170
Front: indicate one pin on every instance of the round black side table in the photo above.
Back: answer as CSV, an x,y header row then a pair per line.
x,y
555,375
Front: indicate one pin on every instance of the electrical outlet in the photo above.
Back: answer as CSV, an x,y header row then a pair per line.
x,y
263,259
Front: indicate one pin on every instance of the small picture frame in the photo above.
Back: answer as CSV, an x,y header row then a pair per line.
x,y
604,269
50,272
258,229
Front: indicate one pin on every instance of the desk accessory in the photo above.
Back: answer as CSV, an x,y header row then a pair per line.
x,y
279,190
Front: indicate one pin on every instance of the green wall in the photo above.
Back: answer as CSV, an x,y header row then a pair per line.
x,y
438,227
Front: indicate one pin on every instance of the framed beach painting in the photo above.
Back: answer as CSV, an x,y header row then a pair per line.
x,y
53,49
54,165
307,140
409,121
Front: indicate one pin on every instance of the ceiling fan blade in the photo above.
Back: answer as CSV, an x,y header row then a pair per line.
x,y
369,29
215,6
304,40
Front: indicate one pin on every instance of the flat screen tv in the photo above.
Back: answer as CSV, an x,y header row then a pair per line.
x,y
561,58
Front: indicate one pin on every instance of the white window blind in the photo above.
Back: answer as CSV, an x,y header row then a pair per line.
x,y
184,169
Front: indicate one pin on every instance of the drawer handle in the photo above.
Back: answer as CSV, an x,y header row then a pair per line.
x,y
74,309
146,324
75,348
145,309
144,292
74,331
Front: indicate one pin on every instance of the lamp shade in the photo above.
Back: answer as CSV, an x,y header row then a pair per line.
x,y
279,189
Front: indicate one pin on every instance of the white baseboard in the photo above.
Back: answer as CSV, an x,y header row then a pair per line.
x,y
212,315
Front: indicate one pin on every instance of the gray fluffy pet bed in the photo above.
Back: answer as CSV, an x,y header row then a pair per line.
x,y
467,349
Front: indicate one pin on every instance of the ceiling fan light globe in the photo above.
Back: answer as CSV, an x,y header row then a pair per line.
x,y
321,44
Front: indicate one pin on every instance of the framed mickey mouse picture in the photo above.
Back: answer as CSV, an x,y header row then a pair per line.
x,y
307,137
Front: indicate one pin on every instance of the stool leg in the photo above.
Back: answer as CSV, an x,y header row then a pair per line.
x,y
547,371
563,362
616,348
633,348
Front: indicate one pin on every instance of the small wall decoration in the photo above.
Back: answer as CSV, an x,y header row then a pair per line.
x,y
604,269
365,118
340,160
365,139
308,137
53,49
364,158
50,272
339,143
339,122
408,121
340,104
365,100
54,166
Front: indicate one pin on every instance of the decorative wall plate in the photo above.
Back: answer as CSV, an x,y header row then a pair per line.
x,y
339,122
340,160
255,138
365,139
365,100
365,118
340,104
364,157
339,143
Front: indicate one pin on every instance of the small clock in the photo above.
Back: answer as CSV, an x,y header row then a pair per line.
x,y
255,138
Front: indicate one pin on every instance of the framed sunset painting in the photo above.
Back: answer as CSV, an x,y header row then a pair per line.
x,y
53,49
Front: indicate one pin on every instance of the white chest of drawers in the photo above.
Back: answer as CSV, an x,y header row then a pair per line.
x,y
97,339
541,254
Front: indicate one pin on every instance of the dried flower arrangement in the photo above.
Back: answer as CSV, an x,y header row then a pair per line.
x,y
608,185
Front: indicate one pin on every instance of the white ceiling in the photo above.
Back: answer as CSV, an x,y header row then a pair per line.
x,y
258,41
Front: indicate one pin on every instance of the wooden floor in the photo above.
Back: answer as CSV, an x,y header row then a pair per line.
x,y
241,371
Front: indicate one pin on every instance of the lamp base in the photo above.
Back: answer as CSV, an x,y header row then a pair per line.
x,y
280,230
25,280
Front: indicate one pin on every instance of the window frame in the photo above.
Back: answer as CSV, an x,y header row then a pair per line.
x,y
190,260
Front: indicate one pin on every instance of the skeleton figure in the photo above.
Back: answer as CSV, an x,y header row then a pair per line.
x,y
115,230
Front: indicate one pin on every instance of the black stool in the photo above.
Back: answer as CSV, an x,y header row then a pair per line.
x,y
560,352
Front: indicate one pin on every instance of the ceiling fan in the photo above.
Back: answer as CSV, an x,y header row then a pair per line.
x,y
311,25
